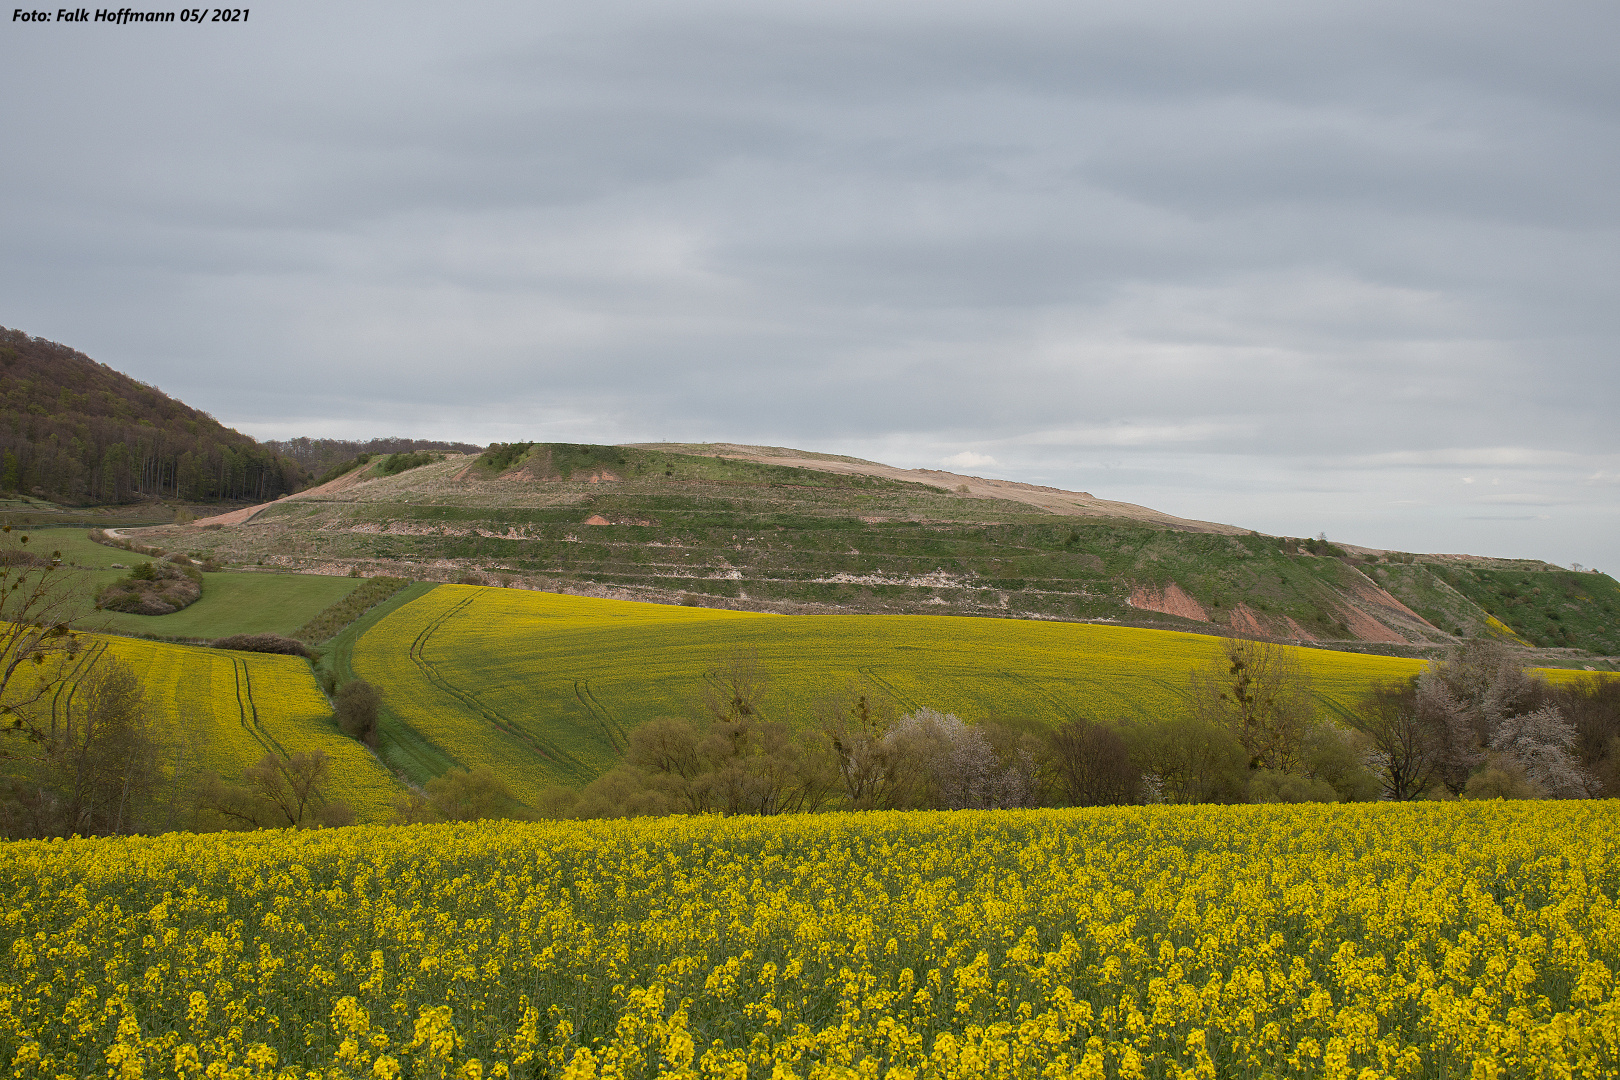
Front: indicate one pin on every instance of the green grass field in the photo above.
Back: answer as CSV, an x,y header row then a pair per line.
x,y
224,710
404,749
237,604
544,688
77,548
232,603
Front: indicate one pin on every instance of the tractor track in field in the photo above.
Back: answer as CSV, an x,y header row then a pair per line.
x,y
612,730
558,757
893,691
248,709
1061,707
62,700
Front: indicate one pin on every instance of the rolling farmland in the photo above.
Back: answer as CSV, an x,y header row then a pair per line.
x,y
225,710
544,688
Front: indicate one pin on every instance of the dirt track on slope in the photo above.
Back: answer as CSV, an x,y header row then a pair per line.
x,y
247,513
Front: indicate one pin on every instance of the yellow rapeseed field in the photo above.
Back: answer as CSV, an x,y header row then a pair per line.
x,y
1351,941
543,688
224,710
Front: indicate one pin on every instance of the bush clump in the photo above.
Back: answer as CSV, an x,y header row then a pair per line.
x,y
266,643
356,710
351,607
338,470
152,588
502,456
394,464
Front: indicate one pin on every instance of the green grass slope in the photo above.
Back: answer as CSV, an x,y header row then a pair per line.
x,y
1546,606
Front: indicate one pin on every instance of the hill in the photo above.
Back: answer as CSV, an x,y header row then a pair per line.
x,y
76,431
770,529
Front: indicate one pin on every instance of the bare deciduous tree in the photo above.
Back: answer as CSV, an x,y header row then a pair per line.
x,y
1407,753
1093,764
735,689
276,792
666,745
1259,692
854,720
39,598
96,765
1190,759
1452,732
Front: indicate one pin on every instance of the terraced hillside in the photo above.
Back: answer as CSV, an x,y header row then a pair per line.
x,y
544,688
787,531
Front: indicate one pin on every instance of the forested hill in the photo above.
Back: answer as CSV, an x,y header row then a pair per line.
x,y
77,431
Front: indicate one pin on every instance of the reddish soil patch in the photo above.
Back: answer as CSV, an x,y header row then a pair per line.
x,y
1172,601
235,517
1367,628
1370,593
1297,631
1245,621
597,519
238,517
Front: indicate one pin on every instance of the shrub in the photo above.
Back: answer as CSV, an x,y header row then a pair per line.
x,y
265,643
152,588
338,470
467,795
502,456
1093,764
1274,786
350,608
357,706
394,464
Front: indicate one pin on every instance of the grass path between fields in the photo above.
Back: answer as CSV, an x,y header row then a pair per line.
x,y
400,746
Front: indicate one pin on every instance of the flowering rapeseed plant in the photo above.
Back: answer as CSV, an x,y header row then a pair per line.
x,y
1457,939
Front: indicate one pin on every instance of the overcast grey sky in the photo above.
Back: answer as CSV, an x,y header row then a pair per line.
x,y
1303,267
